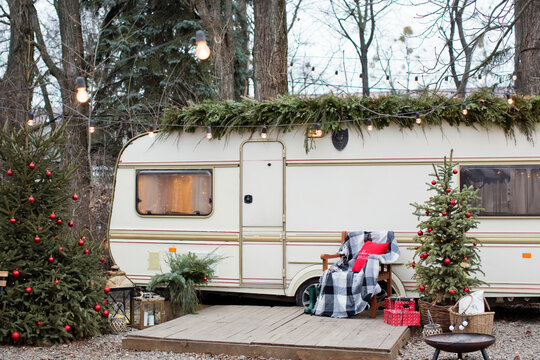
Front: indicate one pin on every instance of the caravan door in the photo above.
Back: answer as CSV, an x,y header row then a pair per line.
x,y
262,220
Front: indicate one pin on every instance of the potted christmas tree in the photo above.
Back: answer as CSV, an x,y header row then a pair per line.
x,y
446,259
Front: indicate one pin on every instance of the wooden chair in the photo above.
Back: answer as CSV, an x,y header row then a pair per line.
x,y
3,280
385,273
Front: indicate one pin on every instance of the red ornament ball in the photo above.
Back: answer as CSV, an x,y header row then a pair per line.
x,y
38,323
31,199
106,289
48,174
468,215
56,281
83,237
424,255
28,290
52,216
452,202
422,288
15,336
61,248
51,259
81,242
420,233
431,197
451,291
444,213
9,172
427,212
39,228
474,244
413,264
105,313
102,259
104,301
12,220
32,166
466,289
59,221
97,307
447,261
429,229
71,223
454,171
75,197
67,327
416,248
16,273
433,182
465,258
37,239
205,278
86,251
448,190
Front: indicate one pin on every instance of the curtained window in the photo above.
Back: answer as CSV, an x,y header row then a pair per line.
x,y
174,192
505,190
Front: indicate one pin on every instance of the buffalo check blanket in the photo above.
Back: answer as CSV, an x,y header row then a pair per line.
x,y
344,293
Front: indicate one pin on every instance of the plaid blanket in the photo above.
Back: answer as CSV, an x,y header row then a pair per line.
x,y
344,293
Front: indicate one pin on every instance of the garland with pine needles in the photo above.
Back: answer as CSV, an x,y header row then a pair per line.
x,y
288,112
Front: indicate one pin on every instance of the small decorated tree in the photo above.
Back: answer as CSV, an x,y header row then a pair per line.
x,y
446,260
55,290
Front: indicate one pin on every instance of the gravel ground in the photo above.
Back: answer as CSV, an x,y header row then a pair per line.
x,y
517,333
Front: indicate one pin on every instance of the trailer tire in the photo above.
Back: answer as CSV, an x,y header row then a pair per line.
x,y
302,294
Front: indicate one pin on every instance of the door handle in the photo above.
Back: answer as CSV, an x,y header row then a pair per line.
x,y
248,199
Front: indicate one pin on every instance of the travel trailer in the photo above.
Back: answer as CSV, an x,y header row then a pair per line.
x,y
271,208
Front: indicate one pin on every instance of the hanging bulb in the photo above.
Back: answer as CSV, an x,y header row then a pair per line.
x,y
202,51
318,130
30,121
361,76
92,127
416,78
464,110
291,65
509,99
461,327
264,132
446,78
479,76
151,131
313,69
387,78
514,76
82,94
336,73
451,327
369,125
418,118
208,132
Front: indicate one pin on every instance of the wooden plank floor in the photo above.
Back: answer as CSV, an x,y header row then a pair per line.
x,y
283,332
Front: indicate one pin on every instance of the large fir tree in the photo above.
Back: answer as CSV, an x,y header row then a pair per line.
x,y
55,290
446,259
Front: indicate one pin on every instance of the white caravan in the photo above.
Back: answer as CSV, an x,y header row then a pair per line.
x,y
271,208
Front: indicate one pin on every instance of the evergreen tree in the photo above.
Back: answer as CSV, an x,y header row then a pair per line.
x,y
55,290
448,258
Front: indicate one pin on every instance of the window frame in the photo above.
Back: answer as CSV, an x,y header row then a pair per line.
x,y
499,167
175,171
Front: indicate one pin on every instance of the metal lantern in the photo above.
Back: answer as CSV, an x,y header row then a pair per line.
x,y
147,310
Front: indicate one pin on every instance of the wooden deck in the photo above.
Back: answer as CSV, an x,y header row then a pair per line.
x,y
278,332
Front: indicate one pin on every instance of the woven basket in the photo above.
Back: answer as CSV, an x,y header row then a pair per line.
x,y
438,312
478,323
432,329
117,324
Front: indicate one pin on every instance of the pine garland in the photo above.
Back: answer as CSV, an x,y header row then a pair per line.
x,y
287,112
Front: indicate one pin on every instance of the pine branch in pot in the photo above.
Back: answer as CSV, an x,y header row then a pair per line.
x,y
187,272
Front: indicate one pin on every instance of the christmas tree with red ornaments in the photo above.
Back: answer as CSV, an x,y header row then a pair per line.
x,y
446,260
55,288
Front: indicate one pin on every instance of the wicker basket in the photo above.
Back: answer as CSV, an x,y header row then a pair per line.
x,y
477,323
438,312
117,324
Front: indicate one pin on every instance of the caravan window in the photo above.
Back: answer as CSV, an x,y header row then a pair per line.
x,y
174,192
505,190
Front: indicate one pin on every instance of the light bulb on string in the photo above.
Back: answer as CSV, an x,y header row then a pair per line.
x,y
361,76
318,130
479,76
202,51
92,127
369,124
416,78
387,78
514,76
208,132
151,131
291,65
30,121
464,110
446,78
82,95
509,99
264,132
336,73
418,118
313,69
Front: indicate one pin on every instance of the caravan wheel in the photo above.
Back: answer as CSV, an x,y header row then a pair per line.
x,y
302,294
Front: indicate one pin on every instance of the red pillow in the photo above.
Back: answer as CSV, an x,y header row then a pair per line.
x,y
369,248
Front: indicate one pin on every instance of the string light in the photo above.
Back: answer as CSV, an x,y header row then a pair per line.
x,y
208,132
202,51
30,121
416,78
509,99
318,131
313,69
336,73
361,76
291,65
264,132
387,78
369,124
446,78
151,131
418,118
82,94
464,110
514,76
479,76
92,127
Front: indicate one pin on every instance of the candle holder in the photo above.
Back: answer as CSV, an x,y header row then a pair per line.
x,y
147,310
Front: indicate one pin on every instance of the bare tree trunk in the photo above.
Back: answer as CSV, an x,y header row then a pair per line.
x,y
270,49
17,85
217,19
242,80
527,58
